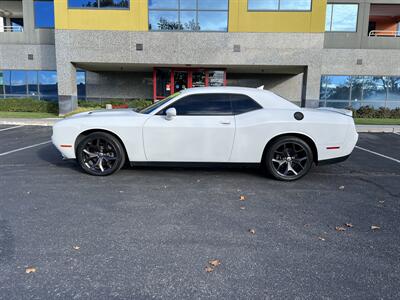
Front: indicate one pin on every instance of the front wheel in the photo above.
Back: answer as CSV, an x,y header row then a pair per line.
x,y
289,158
100,154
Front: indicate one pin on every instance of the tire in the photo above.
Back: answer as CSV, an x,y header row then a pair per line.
x,y
289,158
100,154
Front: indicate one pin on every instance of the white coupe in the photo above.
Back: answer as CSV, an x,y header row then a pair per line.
x,y
229,125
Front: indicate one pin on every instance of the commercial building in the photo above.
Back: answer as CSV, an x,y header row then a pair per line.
x,y
338,53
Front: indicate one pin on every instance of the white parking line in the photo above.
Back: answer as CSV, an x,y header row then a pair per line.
x,y
398,133
376,153
9,128
24,148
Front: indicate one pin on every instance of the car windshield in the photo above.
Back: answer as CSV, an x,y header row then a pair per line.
x,y
153,107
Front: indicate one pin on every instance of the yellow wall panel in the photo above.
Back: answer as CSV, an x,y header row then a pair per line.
x,y
134,19
242,20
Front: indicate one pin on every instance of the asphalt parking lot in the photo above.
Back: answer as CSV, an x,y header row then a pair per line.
x,y
149,233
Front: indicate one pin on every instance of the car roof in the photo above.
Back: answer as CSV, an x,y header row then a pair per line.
x,y
266,99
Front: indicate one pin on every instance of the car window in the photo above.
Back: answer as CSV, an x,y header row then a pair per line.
x,y
202,105
156,105
242,104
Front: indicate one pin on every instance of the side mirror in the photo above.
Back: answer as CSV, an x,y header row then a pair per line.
x,y
170,113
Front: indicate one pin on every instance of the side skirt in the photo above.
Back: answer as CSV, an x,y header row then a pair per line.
x,y
333,160
194,164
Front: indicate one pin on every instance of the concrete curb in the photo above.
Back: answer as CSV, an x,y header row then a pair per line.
x,y
378,128
29,122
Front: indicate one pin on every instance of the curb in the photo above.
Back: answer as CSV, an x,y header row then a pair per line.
x,y
29,122
378,128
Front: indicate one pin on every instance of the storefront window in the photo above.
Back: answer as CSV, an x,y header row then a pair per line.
x,y
163,83
48,85
18,83
199,79
81,84
216,78
374,88
1,83
32,78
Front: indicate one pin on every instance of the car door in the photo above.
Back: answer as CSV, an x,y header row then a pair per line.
x,y
202,131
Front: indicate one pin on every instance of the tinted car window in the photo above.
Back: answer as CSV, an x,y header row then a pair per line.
x,y
242,104
203,105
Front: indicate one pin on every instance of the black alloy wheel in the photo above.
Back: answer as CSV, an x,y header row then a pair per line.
x,y
100,154
289,158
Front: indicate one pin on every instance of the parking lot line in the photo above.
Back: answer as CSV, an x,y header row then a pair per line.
x,y
9,128
24,148
379,154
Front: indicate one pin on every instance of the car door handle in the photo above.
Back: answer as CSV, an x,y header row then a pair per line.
x,y
225,122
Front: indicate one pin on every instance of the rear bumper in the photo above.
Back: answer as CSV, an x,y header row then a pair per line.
x,y
333,160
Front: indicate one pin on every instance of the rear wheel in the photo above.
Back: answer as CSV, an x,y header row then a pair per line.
x,y
289,158
100,154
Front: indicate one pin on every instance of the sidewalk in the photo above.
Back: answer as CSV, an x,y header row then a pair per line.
x,y
52,121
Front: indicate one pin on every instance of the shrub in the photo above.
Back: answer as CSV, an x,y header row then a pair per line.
x,y
28,105
136,103
382,112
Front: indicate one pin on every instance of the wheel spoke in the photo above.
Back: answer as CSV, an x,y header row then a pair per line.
x,y
91,155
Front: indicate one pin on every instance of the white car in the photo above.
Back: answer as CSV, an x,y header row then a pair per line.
x,y
210,125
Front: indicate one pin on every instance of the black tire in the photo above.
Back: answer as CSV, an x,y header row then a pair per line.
x,y
288,158
100,154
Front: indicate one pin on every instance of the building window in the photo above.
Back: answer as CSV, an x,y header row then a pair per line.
x,y
188,15
44,13
341,17
357,91
36,84
119,4
279,5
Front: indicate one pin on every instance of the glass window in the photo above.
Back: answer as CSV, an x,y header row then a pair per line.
x,y
114,3
341,17
337,87
81,84
213,4
295,5
190,15
164,20
199,79
216,78
44,14
356,87
213,21
243,104
82,3
279,5
188,4
163,83
374,88
18,83
1,84
32,78
48,85
163,4
203,105
7,82
17,24
393,92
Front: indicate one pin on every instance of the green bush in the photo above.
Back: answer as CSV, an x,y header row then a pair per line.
x,y
137,103
28,105
382,112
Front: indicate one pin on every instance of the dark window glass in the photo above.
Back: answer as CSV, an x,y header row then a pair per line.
x,y
18,83
1,84
17,24
341,17
44,14
163,83
163,4
114,3
199,79
279,5
81,84
203,105
243,104
32,78
48,85
82,3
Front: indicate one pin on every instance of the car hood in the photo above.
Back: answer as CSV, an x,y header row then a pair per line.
x,y
106,113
